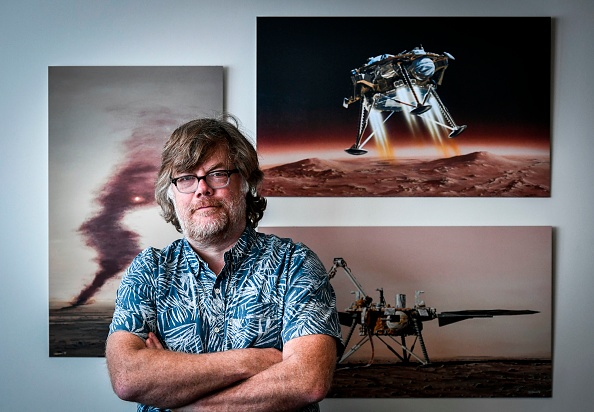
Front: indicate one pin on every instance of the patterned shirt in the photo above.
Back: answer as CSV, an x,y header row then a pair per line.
x,y
270,291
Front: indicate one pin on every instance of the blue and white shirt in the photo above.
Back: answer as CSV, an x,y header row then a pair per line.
x,y
270,291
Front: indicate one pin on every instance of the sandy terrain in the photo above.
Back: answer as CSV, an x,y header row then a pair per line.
x,y
78,331
471,379
473,175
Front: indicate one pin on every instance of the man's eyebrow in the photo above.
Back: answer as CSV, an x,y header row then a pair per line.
x,y
218,166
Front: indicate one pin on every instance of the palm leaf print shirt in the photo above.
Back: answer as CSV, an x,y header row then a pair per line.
x,y
270,291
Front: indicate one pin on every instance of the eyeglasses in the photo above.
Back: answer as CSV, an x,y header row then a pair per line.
x,y
217,179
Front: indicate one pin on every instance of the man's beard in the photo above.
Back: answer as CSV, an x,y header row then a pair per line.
x,y
216,226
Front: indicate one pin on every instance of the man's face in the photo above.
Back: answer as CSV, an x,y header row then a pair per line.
x,y
212,214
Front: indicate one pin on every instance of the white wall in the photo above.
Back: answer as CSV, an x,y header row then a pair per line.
x,y
35,35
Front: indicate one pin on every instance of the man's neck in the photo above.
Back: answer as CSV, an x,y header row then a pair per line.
x,y
212,250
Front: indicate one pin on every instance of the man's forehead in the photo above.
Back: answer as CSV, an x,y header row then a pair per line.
x,y
217,158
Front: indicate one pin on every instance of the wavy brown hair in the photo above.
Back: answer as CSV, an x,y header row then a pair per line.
x,y
191,144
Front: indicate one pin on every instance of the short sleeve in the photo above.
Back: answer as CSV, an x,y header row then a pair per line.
x,y
135,309
310,302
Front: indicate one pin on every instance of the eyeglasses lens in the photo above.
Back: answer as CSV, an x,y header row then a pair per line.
x,y
189,184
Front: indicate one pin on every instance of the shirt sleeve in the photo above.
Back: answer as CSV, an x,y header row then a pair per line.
x,y
135,309
310,302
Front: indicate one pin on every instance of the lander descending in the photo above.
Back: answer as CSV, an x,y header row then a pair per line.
x,y
389,83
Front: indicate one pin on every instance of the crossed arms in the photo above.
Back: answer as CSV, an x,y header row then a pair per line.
x,y
241,379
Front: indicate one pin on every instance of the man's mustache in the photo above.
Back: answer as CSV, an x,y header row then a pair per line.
x,y
202,204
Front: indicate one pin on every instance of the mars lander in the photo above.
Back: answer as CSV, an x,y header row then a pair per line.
x,y
391,325
391,83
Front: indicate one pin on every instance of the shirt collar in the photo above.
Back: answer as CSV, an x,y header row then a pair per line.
x,y
234,255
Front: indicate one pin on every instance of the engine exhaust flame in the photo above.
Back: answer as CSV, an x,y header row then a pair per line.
x,y
433,123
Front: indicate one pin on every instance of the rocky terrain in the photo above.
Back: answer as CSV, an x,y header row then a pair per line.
x,y
478,174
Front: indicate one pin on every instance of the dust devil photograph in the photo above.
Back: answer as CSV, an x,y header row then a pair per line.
x,y
107,127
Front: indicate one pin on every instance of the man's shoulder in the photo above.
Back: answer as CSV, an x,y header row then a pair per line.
x,y
153,263
271,245
160,255
272,240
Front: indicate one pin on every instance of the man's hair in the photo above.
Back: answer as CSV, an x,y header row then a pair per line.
x,y
191,144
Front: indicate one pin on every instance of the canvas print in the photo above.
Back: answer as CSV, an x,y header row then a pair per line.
x,y
439,311
107,126
404,106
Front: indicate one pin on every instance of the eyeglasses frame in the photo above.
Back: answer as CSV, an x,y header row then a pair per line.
x,y
228,172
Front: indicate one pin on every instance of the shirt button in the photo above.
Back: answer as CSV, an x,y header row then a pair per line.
x,y
217,290
216,330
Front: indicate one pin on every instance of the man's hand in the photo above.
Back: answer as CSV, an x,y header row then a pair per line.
x,y
153,342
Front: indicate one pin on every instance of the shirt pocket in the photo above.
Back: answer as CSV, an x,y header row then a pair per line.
x,y
256,325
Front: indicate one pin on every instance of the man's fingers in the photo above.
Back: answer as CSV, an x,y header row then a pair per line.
x,y
152,342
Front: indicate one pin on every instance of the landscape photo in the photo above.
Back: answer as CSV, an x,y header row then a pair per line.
x,y
107,127
418,106
489,289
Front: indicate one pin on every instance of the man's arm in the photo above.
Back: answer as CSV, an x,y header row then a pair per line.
x,y
162,378
303,377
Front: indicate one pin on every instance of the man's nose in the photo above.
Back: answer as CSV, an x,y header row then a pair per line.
x,y
203,189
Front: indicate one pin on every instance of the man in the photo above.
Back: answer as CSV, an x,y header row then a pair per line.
x,y
226,318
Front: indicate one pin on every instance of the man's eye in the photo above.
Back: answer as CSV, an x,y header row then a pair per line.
x,y
218,173
185,179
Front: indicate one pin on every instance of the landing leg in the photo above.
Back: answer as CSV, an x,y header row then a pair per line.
x,y
456,130
363,119
421,341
